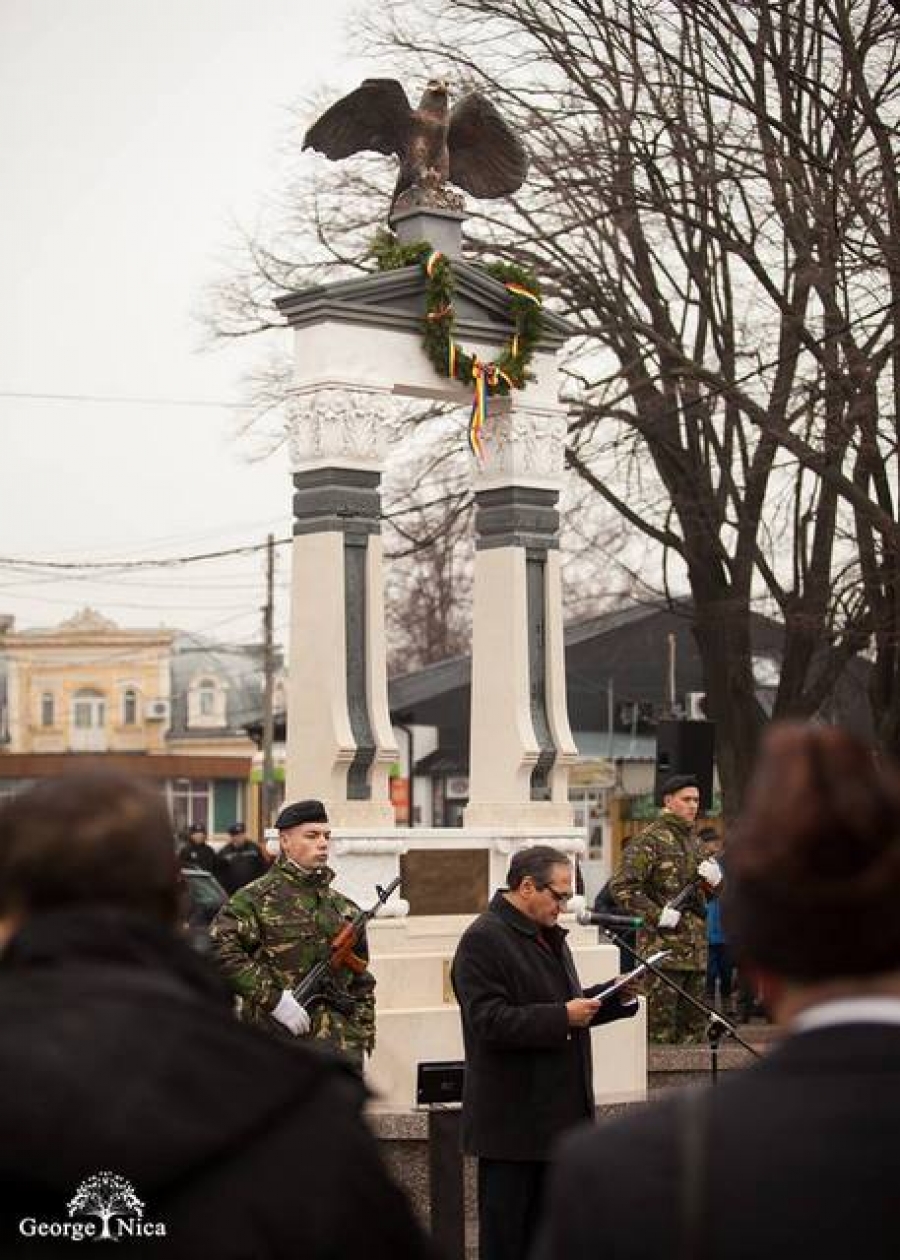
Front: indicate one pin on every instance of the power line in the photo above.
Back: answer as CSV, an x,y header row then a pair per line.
x,y
129,400
123,565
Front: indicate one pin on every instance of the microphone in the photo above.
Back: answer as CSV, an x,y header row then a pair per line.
x,y
595,918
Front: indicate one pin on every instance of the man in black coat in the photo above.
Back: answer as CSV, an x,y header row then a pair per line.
x,y
240,861
134,1105
798,1154
525,1026
197,851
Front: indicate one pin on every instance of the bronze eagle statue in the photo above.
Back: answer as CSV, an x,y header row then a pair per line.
x,y
470,146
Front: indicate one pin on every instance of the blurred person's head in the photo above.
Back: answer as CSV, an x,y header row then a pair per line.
x,y
87,839
814,864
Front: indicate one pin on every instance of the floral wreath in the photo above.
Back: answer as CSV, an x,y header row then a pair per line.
x,y
448,358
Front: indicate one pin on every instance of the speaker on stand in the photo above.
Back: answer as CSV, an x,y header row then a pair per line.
x,y
686,747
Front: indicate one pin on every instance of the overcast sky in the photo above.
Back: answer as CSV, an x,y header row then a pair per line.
x,y
131,133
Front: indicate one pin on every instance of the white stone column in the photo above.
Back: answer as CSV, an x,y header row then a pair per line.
x,y
520,743
340,744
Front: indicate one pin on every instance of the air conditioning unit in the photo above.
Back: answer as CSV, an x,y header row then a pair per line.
x,y
695,706
157,711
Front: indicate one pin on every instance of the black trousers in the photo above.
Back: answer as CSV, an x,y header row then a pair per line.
x,y
510,1196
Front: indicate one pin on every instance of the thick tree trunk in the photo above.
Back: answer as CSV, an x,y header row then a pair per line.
x,y
722,630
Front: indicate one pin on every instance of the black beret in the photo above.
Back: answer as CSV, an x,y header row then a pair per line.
x,y
301,812
237,829
196,829
677,783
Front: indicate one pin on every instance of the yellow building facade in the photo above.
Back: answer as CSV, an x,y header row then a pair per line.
x,y
89,693
88,686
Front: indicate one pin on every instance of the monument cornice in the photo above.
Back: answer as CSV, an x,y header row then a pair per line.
x,y
396,300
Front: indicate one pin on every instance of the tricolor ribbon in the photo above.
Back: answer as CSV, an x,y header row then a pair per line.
x,y
520,291
484,378
451,358
479,408
433,259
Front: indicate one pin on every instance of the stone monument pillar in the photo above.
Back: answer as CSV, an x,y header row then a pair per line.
x,y
520,742
341,743
358,348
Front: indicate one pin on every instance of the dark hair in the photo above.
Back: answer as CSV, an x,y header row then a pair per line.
x,y
98,838
814,861
536,861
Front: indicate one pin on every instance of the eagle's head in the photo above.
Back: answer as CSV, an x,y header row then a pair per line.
x,y
435,97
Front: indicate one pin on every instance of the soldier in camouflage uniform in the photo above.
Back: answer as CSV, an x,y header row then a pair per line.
x,y
656,865
271,932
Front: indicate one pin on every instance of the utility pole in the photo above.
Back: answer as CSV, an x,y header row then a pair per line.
x,y
268,775
671,676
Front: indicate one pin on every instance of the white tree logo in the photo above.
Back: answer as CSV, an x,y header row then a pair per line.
x,y
105,1195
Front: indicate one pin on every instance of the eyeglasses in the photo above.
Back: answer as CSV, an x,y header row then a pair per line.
x,y
559,897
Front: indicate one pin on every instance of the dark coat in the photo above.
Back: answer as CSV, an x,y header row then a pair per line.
x,y
801,1159
528,1074
119,1053
240,862
199,853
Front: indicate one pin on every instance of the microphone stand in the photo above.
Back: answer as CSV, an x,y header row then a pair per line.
x,y
717,1026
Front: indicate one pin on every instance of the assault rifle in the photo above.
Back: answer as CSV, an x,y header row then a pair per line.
x,y
318,981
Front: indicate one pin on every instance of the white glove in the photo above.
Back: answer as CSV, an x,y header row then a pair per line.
x,y
669,918
290,1013
710,872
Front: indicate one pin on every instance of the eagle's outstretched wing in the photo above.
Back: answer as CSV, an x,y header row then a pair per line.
x,y
487,158
376,116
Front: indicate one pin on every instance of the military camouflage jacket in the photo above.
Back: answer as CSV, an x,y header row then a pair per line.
x,y
656,865
268,936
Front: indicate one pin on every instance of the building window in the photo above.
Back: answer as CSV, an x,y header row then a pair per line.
x,y
129,707
88,710
48,709
207,702
190,801
88,733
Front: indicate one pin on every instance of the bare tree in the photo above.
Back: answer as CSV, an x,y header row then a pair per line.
x,y
713,205
429,547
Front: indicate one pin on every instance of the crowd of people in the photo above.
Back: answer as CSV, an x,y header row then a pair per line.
x,y
120,1048
237,863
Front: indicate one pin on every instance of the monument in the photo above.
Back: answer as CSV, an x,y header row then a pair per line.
x,y
358,347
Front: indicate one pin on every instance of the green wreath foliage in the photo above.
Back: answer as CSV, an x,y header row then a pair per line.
x,y
526,316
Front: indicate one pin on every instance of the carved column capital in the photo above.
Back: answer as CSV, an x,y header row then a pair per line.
x,y
524,446
337,427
